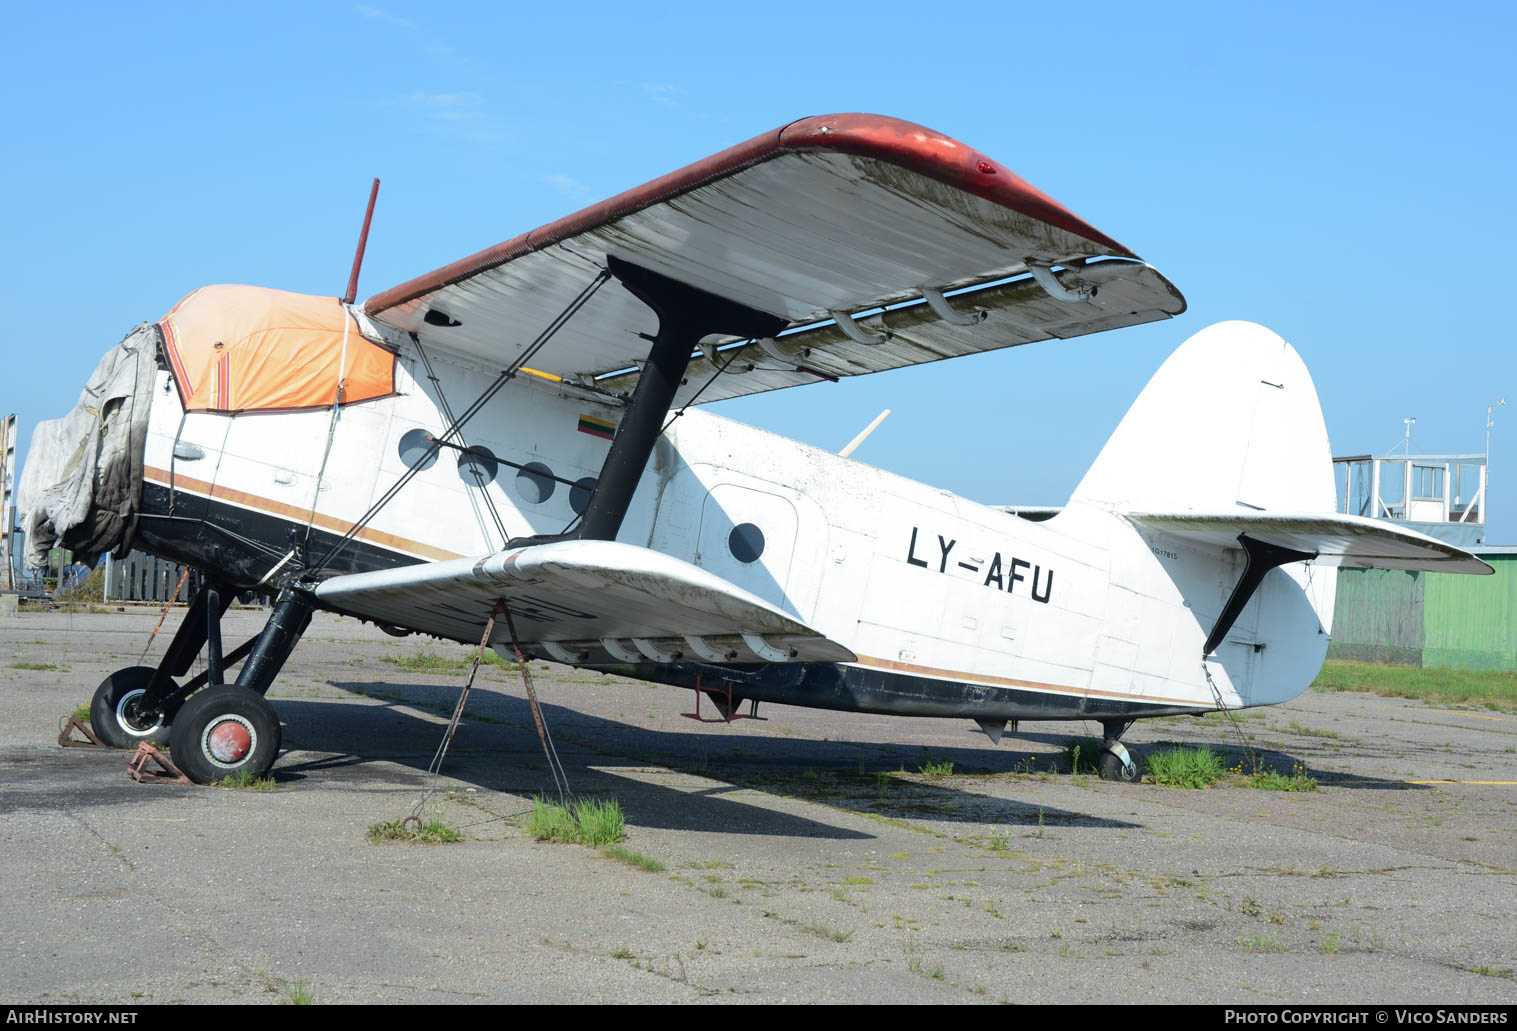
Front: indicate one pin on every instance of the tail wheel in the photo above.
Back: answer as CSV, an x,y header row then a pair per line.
x,y
225,731
115,713
1123,766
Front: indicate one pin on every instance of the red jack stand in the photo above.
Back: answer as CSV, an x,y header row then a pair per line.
x,y
167,773
725,704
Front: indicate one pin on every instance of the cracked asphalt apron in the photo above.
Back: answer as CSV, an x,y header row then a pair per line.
x,y
805,859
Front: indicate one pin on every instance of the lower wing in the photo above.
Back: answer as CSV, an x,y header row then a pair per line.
x,y
580,601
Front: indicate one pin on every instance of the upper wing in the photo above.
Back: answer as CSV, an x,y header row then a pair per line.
x,y
1338,539
584,600
835,214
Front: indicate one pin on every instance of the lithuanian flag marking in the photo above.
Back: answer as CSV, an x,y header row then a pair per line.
x,y
597,427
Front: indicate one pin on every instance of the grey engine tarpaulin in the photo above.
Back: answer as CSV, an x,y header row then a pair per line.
x,y
82,481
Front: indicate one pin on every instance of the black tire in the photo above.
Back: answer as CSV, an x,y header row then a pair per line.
x,y
1113,768
113,714
225,731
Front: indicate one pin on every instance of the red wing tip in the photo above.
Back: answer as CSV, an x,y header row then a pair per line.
x,y
940,157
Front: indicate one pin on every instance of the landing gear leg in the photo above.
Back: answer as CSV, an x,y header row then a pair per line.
x,y
138,703
231,729
291,616
1118,762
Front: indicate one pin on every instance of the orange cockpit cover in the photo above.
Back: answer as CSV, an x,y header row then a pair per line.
x,y
251,349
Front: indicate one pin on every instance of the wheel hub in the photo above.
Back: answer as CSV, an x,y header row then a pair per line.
x,y
228,741
133,719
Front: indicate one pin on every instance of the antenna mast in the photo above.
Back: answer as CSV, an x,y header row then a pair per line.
x,y
363,241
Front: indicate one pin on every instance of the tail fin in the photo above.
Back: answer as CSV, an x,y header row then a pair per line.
x,y
1228,439
1230,422
1221,476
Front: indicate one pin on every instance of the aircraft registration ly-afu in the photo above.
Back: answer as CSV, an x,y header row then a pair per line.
x,y
518,441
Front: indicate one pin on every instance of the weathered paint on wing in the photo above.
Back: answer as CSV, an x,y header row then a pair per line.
x,y
836,214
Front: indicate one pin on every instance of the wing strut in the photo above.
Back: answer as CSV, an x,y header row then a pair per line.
x,y
1262,557
685,315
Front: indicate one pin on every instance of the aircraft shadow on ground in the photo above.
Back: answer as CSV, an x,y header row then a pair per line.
x,y
497,749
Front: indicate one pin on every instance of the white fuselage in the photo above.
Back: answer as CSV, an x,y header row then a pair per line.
x,y
1083,608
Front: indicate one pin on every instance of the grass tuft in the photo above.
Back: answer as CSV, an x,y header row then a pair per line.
x,y
600,822
428,661
1273,780
588,821
936,768
827,931
1082,754
243,780
433,833
1185,767
550,821
637,859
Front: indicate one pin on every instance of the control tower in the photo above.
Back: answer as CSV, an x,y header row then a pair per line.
x,y
1442,496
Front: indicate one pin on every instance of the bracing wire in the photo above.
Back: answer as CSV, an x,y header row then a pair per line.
x,y
1248,749
457,424
447,411
696,396
434,768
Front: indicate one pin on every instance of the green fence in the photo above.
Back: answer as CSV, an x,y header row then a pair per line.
x,y
1428,619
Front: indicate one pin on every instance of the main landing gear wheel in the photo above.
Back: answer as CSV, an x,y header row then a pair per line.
x,y
1118,762
225,731
114,713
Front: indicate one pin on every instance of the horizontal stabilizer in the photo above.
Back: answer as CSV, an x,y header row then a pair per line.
x,y
1341,540
581,601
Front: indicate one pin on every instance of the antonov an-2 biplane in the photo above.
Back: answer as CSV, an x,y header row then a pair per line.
x,y
501,437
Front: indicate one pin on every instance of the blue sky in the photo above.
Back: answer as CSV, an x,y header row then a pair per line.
x,y
1339,173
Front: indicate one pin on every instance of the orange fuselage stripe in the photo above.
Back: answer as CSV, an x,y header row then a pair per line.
x,y
279,508
980,678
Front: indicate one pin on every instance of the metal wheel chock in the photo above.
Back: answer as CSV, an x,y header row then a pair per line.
x,y
164,772
71,725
